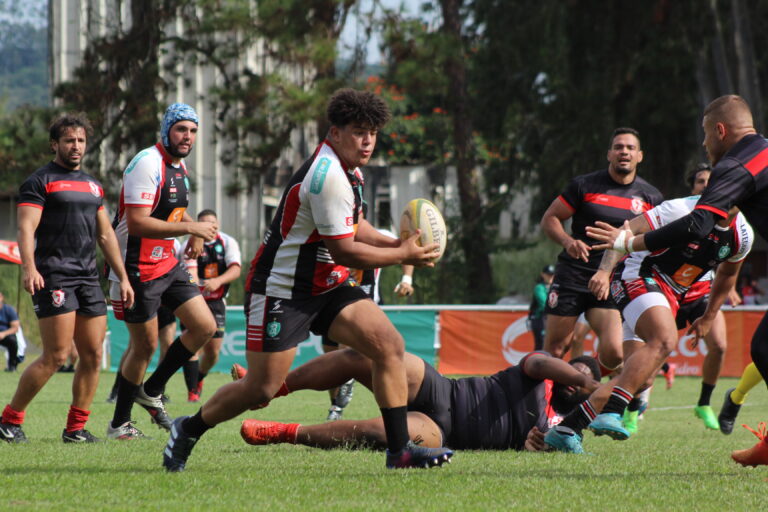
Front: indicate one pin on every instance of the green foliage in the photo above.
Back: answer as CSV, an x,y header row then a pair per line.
x,y
516,269
16,296
23,54
672,463
24,143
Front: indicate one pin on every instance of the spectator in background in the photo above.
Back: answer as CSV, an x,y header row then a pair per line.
x,y
537,311
749,291
9,326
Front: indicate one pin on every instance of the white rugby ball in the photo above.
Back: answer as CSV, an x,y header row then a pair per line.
x,y
422,214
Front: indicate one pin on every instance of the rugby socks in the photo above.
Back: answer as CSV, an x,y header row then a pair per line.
x,y
126,393
619,400
749,379
396,427
706,393
634,404
12,416
191,374
76,418
665,367
200,378
578,419
174,359
195,426
116,383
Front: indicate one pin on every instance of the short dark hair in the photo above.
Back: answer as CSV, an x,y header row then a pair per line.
x,y
205,212
621,131
362,108
69,120
690,176
591,363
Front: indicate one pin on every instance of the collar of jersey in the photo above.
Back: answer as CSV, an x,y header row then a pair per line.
x,y
167,158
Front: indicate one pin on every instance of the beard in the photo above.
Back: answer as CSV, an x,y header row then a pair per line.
x,y
623,170
564,402
174,151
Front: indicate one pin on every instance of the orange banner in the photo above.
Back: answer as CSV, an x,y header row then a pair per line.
x,y
484,342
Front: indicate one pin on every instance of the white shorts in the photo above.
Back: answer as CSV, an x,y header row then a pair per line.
x,y
634,310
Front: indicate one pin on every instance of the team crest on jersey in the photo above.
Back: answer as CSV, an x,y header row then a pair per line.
x,y
333,277
157,252
218,248
273,329
94,189
617,290
637,205
552,299
58,297
723,252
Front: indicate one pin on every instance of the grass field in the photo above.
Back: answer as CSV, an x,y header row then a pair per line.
x,y
671,464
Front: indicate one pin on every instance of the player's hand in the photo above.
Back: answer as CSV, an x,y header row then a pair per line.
x,y
578,249
734,298
32,280
194,247
417,255
211,285
604,232
699,328
534,441
404,289
600,284
205,230
126,293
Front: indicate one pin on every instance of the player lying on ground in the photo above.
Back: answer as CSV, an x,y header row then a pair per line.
x,y
508,410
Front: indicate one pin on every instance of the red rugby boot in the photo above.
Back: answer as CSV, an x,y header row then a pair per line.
x,y
758,454
268,432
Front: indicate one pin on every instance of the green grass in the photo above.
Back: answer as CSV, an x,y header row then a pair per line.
x,y
671,464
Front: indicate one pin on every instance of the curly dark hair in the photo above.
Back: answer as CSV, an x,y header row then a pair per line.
x,y
363,108
591,363
69,120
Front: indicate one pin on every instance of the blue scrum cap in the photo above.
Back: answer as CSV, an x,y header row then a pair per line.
x,y
175,113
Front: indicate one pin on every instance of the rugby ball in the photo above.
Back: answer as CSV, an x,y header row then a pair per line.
x,y
422,214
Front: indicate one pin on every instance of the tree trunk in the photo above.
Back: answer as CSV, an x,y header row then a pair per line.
x,y
719,60
749,84
474,238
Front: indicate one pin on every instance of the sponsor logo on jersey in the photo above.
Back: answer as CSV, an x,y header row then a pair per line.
x,y
135,161
349,221
149,196
273,328
58,297
617,290
94,189
318,177
218,248
723,252
276,306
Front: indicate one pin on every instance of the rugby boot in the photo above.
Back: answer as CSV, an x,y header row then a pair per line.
x,y
609,424
758,454
414,456
178,448
630,421
193,396
563,439
12,433
79,436
155,407
334,413
707,415
728,413
344,396
258,432
669,375
125,432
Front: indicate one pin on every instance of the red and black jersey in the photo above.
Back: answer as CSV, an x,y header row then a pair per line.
x,y
65,239
596,196
740,179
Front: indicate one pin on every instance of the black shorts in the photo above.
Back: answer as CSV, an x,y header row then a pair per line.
x,y
86,299
434,400
689,312
563,300
171,290
219,310
165,317
274,324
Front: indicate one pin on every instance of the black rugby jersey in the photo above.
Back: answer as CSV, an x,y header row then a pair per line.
x,y
65,239
596,196
498,411
740,179
217,256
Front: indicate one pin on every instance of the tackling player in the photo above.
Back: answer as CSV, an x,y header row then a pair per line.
x,y
61,219
153,204
299,281
613,196
509,410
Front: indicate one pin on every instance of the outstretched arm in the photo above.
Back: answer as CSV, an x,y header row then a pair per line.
x,y
542,366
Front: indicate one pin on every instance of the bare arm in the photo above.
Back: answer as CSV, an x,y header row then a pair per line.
x,y
213,284
552,225
540,366
351,253
108,242
140,223
29,219
725,280
368,234
599,283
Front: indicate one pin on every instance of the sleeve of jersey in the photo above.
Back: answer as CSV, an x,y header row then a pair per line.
x,y
232,252
745,237
140,181
32,193
572,195
331,200
527,356
726,188
668,211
